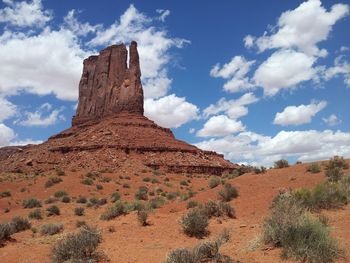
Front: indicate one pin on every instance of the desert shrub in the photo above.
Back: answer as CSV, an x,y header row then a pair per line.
x,y
183,183
60,193
35,214
214,182
6,193
51,229
146,179
65,199
79,247
92,175
52,210
219,209
126,185
259,170
59,171
195,223
52,181
31,203
79,211
87,181
192,204
142,193
50,200
115,197
6,230
80,223
281,164
20,224
171,196
142,216
314,168
156,202
334,174
207,251
81,200
136,205
155,181
242,169
117,209
228,192
337,161
99,187
300,236
95,201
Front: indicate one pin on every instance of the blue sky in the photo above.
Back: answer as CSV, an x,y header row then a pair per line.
x,y
255,80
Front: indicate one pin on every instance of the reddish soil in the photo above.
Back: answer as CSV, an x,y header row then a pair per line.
x,y
132,242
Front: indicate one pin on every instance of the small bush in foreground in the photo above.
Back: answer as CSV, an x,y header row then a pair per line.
x,y
281,164
299,234
207,251
142,216
79,247
6,230
35,214
219,209
52,181
51,229
20,224
314,168
195,223
114,211
228,193
31,203
334,174
214,182
156,202
52,210
79,211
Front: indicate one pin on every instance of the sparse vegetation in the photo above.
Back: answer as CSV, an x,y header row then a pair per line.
x,y
4,194
300,235
81,200
35,214
195,223
19,224
115,197
228,193
51,229
52,181
281,164
87,181
31,203
79,211
214,182
219,209
6,231
65,199
142,216
117,209
79,247
60,193
259,170
142,193
314,168
192,204
52,210
156,202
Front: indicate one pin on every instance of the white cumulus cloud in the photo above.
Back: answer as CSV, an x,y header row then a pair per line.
x,y
220,125
332,120
170,111
297,115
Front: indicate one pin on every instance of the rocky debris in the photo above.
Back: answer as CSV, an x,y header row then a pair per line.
x,y
109,128
108,86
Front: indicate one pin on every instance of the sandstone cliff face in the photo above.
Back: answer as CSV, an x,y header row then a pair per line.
x,y
108,86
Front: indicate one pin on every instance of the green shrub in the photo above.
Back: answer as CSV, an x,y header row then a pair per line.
x,y
281,164
79,247
142,193
142,216
337,161
214,182
31,203
171,196
79,211
6,230
60,193
117,209
20,224
228,193
300,236
51,229
52,181
52,210
192,204
259,170
115,197
156,202
87,181
334,174
4,194
314,168
219,209
81,200
65,199
195,223
35,214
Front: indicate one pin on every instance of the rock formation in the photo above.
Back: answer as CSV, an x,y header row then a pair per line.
x,y
109,128
108,86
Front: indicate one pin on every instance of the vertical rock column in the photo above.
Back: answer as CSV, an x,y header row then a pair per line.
x,y
108,86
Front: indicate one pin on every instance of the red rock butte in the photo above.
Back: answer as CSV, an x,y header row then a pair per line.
x,y
109,129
